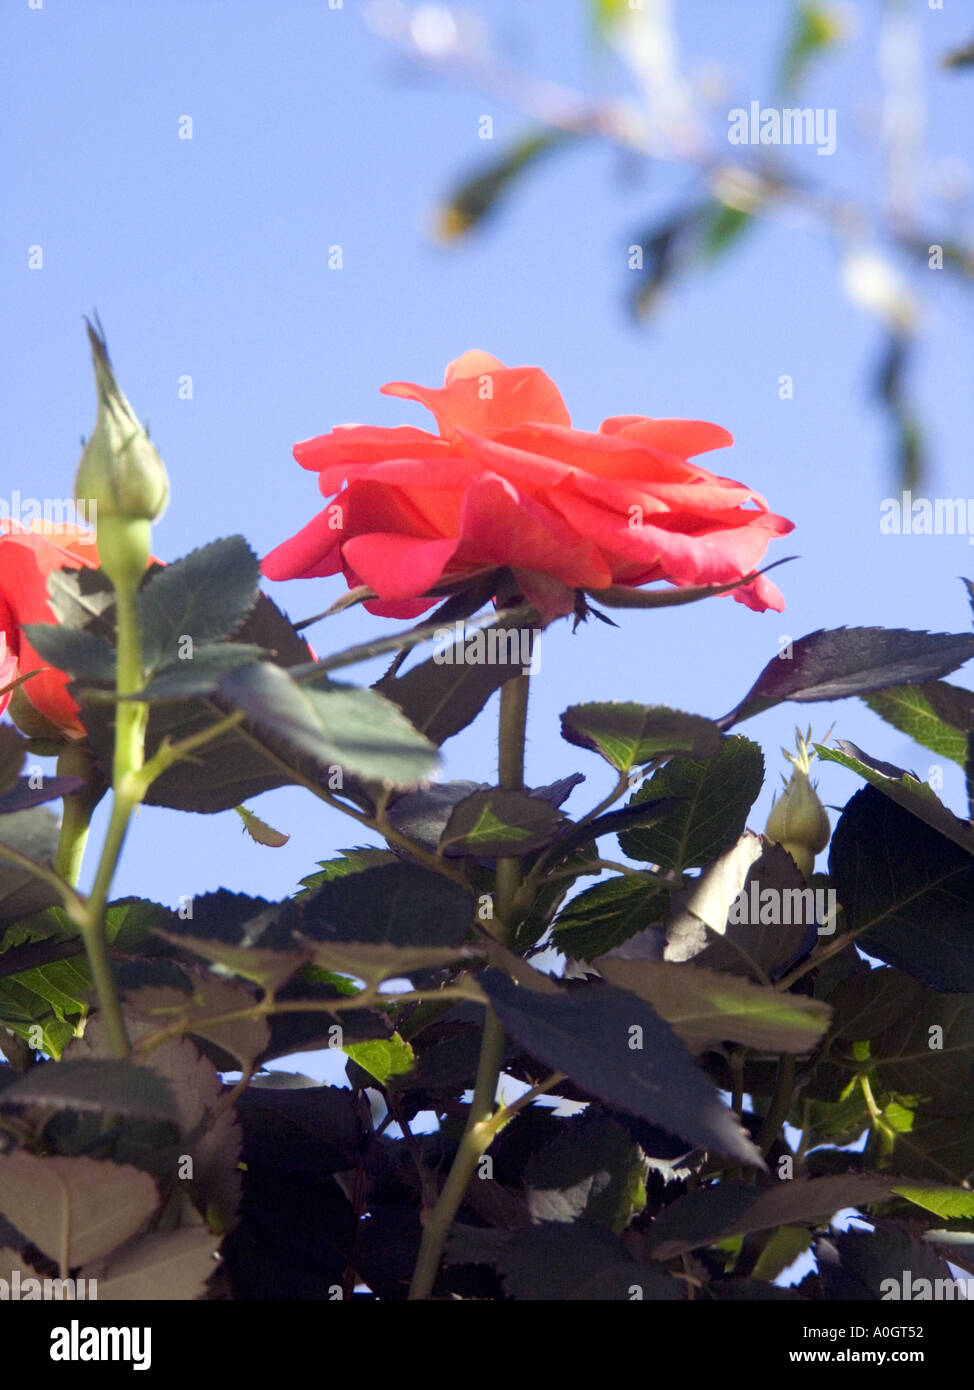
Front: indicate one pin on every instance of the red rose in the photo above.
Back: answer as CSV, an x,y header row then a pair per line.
x,y
508,482
26,560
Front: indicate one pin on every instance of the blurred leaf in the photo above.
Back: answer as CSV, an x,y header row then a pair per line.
x,y
815,28
212,998
892,391
476,197
722,225
962,57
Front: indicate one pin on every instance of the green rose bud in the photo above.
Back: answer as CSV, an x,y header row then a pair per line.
x,y
121,476
798,821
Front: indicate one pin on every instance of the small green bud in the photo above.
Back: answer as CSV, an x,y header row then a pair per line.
x,y
121,476
798,820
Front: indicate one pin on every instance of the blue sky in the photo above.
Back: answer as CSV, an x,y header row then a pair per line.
x,y
209,256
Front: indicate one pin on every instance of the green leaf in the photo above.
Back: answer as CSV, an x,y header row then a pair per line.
x,y
384,1058
352,861
710,1214
106,1085
232,768
259,831
30,791
129,922
23,1011
440,698
938,715
203,597
173,1266
949,1203
939,1149
63,984
250,936
375,961
628,735
33,833
74,650
706,1007
206,1011
201,672
617,1048
493,822
870,1261
83,598
396,904
74,1209
13,749
592,1172
904,789
607,914
340,726
834,664
562,1260
783,1249
907,891
927,1050
717,795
